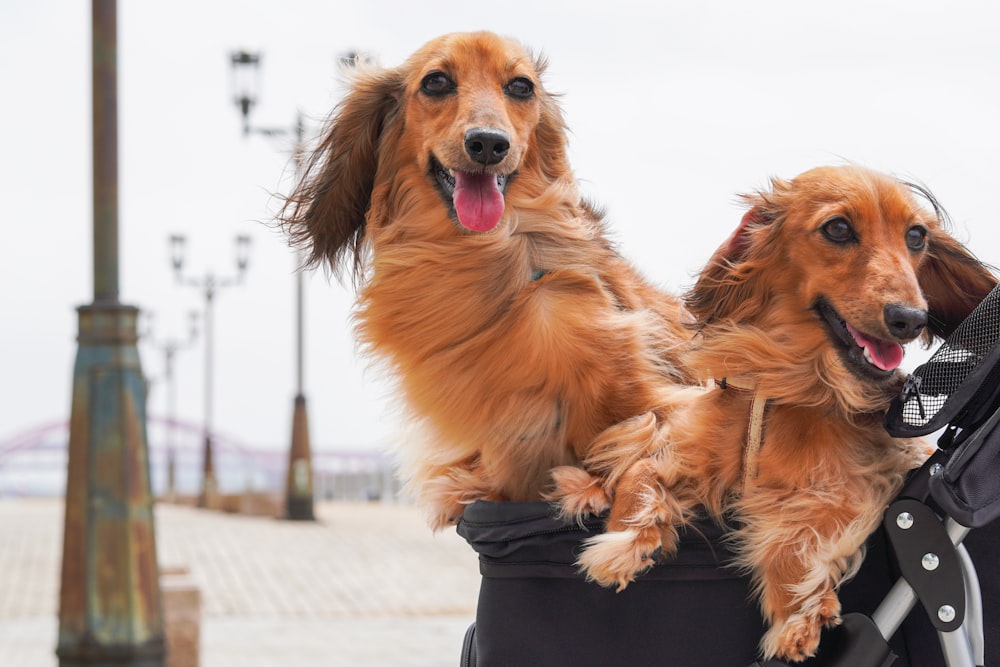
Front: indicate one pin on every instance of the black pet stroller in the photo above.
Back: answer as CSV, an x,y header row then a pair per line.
x,y
694,611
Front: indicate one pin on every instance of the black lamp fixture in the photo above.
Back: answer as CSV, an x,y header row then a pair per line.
x,y
245,69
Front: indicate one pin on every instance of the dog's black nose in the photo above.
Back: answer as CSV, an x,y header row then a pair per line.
x,y
487,146
904,322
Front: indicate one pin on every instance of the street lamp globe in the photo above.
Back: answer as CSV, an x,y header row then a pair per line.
x,y
177,242
242,252
245,66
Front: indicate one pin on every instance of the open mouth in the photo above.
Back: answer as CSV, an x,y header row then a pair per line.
x,y
867,356
475,199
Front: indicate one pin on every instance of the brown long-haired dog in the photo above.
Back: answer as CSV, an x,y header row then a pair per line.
x,y
486,285
801,316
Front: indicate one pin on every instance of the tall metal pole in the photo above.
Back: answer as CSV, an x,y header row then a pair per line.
x,y
209,485
298,483
168,375
170,348
110,609
299,274
104,87
299,322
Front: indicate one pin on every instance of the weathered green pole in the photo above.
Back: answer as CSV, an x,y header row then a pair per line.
x,y
110,610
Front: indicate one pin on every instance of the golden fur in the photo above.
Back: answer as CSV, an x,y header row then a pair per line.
x,y
771,307
514,344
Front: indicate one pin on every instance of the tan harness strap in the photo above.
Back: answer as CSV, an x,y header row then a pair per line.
x,y
755,427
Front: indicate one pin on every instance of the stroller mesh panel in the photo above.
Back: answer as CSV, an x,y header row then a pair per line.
x,y
927,390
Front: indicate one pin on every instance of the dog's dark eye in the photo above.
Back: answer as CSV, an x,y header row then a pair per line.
x,y
839,230
436,84
520,88
916,237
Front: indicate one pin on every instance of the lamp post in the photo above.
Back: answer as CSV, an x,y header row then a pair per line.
x,y
298,481
110,610
210,283
170,348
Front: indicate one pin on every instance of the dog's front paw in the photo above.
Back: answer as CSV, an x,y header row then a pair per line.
x,y
829,609
616,558
577,493
794,640
798,637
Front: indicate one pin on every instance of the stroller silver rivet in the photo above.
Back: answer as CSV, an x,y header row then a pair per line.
x,y
935,469
946,613
930,561
904,520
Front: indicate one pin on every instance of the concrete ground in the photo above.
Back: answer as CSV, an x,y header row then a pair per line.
x,y
364,585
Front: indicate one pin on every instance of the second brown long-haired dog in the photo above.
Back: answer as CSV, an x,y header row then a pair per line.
x,y
801,315
487,287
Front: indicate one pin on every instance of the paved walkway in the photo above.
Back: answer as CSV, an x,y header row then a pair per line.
x,y
365,585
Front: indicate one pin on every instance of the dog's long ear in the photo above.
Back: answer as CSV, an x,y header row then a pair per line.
x,y
550,135
953,282
727,288
326,211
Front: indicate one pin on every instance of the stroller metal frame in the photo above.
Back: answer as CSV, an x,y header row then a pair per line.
x,y
963,647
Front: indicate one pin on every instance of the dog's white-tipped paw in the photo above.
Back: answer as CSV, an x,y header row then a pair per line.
x,y
577,493
797,638
616,558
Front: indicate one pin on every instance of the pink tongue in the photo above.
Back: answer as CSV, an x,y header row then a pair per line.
x,y
884,354
478,201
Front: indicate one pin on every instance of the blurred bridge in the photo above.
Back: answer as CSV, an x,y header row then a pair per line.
x,y
33,463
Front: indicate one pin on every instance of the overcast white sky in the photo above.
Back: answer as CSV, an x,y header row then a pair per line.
x,y
674,107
